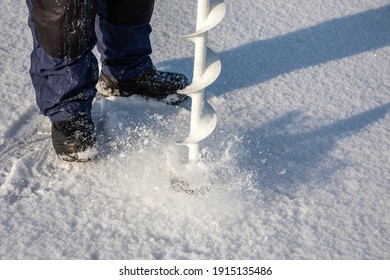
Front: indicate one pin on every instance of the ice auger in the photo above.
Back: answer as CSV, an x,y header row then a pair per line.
x,y
207,68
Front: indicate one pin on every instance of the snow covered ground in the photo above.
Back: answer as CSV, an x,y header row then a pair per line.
x,y
299,162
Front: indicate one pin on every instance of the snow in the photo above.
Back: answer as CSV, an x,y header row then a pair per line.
x,y
298,166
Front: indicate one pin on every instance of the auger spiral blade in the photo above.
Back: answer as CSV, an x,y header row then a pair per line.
x,y
217,10
207,68
209,75
207,124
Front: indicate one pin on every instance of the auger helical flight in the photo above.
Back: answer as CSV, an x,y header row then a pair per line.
x,y
207,68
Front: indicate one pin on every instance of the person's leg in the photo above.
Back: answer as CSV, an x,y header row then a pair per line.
x,y
123,29
63,70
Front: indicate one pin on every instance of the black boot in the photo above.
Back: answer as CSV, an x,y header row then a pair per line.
x,y
73,139
152,84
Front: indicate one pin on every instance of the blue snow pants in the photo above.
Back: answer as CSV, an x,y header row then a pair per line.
x,y
64,71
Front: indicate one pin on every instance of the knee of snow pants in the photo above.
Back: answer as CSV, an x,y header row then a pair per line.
x,y
64,28
63,69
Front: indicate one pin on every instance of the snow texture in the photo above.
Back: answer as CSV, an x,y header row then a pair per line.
x,y
298,167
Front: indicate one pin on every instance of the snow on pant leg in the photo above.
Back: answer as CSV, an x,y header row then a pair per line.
x,y
63,69
123,29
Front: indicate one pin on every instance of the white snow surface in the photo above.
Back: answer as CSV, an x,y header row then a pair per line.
x,y
297,168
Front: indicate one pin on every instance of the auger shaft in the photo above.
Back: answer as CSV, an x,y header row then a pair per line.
x,y
199,68
201,39
206,70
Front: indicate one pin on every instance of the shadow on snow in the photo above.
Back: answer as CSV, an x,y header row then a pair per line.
x,y
281,161
259,61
